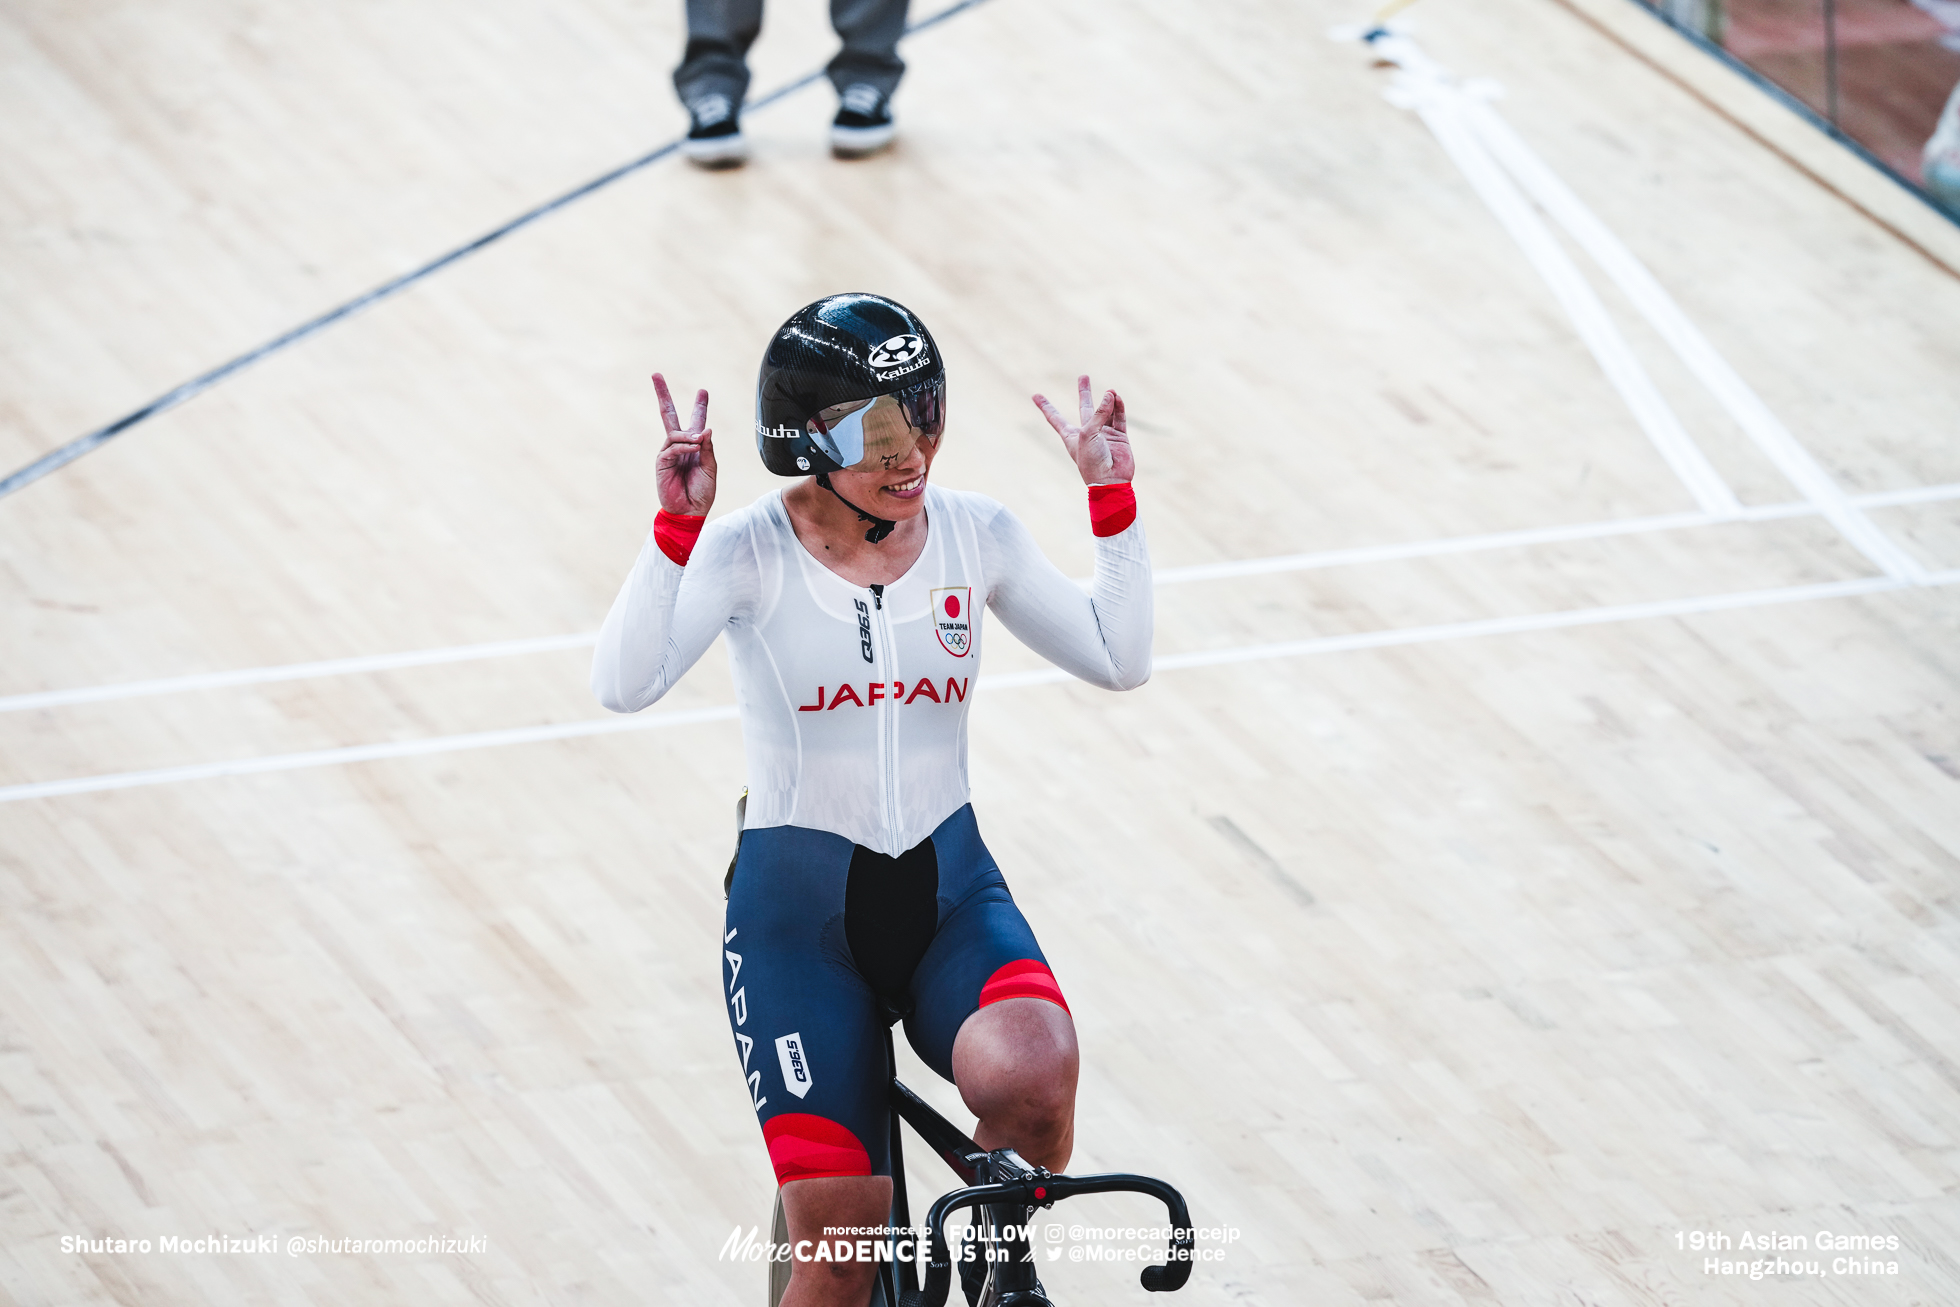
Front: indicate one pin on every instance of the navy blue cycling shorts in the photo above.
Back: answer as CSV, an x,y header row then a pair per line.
x,y
823,936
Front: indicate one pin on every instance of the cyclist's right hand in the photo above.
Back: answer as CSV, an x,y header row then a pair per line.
x,y
685,471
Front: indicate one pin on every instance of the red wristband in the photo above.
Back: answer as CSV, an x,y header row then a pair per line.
x,y
676,533
1112,508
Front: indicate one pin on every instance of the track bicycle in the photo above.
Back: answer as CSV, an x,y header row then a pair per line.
x,y
1005,1189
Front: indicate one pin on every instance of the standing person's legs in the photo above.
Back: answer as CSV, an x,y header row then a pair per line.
x,y
719,34
870,30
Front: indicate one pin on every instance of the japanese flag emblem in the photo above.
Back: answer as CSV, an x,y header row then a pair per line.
x,y
952,618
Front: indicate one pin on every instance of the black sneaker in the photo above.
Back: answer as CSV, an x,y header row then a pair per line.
x,y
714,134
863,124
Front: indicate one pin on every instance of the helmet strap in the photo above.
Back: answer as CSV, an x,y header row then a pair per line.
x,y
880,527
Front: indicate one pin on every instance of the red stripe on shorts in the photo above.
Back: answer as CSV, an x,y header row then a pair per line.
x,y
806,1147
1112,508
1028,978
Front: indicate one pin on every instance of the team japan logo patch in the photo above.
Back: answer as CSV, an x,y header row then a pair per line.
x,y
952,618
896,352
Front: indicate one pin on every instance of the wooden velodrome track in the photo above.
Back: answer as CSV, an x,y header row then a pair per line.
x,y
1480,966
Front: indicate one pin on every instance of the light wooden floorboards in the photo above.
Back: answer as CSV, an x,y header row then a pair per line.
x,y
1459,973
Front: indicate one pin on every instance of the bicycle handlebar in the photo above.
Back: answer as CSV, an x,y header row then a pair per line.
x,y
1039,1190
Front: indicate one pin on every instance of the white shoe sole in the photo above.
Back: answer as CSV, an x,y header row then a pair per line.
x,y
717,151
856,142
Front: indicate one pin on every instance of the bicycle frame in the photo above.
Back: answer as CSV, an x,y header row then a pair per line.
x,y
1002,1178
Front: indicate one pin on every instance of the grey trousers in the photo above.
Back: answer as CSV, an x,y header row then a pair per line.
x,y
719,33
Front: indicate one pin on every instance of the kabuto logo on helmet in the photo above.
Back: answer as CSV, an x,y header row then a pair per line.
x,y
896,352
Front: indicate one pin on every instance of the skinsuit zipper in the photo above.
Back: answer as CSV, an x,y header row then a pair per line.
x,y
888,720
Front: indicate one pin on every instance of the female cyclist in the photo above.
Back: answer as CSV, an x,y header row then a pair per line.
x,y
854,606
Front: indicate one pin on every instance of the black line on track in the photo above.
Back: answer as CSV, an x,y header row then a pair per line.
x,y
189,390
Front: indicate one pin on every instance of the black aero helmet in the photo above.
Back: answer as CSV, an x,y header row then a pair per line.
x,y
849,382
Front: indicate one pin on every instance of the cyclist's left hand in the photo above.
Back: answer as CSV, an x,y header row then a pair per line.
x,y
1100,443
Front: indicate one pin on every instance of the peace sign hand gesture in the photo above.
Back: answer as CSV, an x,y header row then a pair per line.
x,y
1100,444
685,471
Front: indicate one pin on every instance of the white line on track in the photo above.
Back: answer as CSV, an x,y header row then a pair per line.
x,y
204,771
1541,535
1503,170
1417,635
1740,400
459,653
1437,106
1169,576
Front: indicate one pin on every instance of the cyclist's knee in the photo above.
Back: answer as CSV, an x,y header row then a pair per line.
x,y
1018,1059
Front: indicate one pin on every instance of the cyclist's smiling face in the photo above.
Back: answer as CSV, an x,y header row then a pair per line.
x,y
896,490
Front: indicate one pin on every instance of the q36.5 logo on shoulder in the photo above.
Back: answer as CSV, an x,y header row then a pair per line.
x,y
897,352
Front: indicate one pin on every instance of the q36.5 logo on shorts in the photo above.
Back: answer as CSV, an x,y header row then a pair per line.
x,y
952,618
896,352
794,1058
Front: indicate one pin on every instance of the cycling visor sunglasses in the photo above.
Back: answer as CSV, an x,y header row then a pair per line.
x,y
870,435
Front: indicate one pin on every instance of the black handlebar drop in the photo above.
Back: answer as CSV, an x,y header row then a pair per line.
x,y
1038,1190
1003,1176
1177,1259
